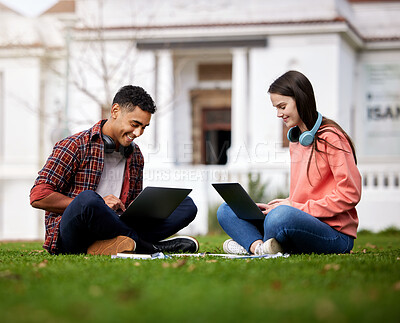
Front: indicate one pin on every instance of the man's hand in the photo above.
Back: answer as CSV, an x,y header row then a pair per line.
x,y
265,208
114,202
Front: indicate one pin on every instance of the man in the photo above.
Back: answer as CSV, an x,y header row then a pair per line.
x,y
92,174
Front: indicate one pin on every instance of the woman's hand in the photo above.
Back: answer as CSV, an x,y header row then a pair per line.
x,y
265,208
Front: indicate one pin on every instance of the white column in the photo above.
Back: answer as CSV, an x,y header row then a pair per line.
x,y
238,152
164,116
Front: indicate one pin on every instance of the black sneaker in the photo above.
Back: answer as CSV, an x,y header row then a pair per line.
x,y
178,244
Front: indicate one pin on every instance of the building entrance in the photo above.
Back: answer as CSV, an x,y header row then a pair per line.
x,y
211,110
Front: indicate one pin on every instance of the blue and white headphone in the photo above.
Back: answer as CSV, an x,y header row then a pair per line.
x,y
307,137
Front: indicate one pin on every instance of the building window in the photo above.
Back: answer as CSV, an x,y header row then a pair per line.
x,y
214,72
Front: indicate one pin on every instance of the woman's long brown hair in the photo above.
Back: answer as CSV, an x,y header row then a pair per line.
x,y
297,86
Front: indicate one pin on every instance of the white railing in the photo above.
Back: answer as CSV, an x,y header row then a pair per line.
x,y
384,177
378,209
200,177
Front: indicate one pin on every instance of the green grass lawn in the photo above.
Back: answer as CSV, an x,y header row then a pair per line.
x,y
363,286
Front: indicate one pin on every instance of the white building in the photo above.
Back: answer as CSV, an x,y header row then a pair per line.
x,y
208,65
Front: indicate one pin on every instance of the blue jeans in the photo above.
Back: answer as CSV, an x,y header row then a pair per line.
x,y
295,230
88,219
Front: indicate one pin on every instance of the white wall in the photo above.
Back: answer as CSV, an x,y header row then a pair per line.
x,y
373,150
20,76
317,57
346,89
160,12
17,218
378,142
18,164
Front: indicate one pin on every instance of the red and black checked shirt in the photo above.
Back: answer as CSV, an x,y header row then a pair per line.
x,y
76,165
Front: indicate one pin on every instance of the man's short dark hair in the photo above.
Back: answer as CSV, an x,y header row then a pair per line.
x,y
129,97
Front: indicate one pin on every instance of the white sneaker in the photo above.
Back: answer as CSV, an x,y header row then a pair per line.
x,y
232,247
258,251
270,247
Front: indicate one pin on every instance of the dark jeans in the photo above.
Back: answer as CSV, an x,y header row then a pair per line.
x,y
88,219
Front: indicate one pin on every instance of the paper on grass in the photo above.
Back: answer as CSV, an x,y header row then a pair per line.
x,y
277,255
160,255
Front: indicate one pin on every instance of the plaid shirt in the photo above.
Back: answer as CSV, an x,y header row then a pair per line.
x,y
76,165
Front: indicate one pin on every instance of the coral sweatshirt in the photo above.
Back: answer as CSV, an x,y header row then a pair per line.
x,y
333,186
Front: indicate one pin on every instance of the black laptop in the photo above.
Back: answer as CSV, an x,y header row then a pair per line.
x,y
155,202
239,201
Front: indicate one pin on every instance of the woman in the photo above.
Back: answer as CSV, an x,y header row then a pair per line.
x,y
325,185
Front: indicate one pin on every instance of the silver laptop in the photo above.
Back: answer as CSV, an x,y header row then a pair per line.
x,y
155,202
239,201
